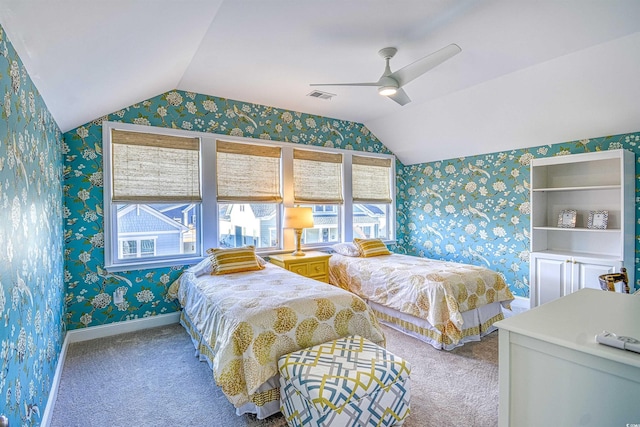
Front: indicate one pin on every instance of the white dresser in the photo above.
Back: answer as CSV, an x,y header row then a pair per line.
x,y
552,371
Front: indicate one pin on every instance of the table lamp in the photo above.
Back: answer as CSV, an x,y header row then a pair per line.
x,y
298,218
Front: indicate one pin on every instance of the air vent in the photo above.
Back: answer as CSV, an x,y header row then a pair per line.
x,y
321,95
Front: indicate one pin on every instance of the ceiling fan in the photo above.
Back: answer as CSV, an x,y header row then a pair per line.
x,y
390,83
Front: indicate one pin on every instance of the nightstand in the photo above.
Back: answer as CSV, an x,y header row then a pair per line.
x,y
314,264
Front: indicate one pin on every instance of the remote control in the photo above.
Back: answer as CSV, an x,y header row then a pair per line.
x,y
621,342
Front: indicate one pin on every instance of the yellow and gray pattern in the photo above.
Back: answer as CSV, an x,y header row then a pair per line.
x,y
250,319
233,260
437,291
347,382
371,247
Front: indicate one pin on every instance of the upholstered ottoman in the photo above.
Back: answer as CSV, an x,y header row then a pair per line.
x,y
347,382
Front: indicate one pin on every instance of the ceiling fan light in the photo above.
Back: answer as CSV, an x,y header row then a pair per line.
x,y
387,90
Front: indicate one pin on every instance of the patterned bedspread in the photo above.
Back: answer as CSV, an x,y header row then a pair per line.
x,y
437,291
251,319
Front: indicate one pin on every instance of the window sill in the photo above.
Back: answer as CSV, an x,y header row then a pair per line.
x,y
182,262
148,265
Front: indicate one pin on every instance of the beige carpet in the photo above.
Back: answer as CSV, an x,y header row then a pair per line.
x,y
152,378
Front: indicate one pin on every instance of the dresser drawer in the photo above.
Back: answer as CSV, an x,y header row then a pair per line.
x,y
318,268
302,268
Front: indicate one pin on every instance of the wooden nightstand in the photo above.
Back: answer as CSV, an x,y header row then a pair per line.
x,y
314,264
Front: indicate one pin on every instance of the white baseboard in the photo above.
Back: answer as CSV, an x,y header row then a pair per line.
x,y
53,393
116,328
94,332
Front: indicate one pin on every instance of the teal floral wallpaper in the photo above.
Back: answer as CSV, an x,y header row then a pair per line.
x,y
476,209
89,286
31,244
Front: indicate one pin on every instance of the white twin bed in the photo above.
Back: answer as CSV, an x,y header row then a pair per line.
x,y
442,303
241,323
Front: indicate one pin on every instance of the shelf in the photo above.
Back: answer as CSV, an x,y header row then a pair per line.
x,y
597,230
585,188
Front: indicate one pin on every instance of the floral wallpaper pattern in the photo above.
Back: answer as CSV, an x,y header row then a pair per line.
x,y
31,244
89,286
476,209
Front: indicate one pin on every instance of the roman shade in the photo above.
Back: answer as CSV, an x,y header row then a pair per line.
x,y
248,173
371,182
317,177
154,168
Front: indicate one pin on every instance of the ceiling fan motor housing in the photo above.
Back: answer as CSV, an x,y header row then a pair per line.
x,y
387,52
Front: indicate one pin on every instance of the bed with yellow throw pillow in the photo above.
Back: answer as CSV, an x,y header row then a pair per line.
x,y
241,323
442,303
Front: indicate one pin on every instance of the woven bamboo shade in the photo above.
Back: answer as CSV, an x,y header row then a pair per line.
x,y
157,168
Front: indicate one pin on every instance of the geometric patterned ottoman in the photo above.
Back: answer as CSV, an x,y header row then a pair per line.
x,y
347,382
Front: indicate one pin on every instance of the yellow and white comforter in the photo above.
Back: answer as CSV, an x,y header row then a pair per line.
x,y
437,291
250,319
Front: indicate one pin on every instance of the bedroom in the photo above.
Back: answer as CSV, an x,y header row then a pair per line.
x,y
50,270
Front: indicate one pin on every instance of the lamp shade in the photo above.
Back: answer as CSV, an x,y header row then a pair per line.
x,y
298,217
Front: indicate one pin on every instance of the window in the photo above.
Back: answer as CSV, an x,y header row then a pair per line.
x,y
372,180
137,248
248,193
129,249
317,183
170,194
152,197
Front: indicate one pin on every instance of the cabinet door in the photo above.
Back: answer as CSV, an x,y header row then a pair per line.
x,y
550,279
586,273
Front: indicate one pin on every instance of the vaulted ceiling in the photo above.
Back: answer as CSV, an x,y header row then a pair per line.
x,y
530,72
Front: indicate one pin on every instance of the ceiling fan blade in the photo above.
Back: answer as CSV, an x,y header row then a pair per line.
x,y
416,69
400,97
345,84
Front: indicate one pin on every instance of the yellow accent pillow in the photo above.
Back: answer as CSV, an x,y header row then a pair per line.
x,y
235,260
371,247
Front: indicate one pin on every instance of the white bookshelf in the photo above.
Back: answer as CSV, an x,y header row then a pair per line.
x,y
564,260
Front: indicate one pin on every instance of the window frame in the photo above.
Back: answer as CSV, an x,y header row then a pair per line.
x,y
208,224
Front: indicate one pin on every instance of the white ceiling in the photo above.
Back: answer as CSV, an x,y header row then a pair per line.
x,y
530,72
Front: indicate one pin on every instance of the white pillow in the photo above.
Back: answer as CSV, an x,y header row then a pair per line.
x,y
201,268
346,249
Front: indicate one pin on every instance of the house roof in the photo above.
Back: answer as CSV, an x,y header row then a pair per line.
x,y
530,72
149,219
263,211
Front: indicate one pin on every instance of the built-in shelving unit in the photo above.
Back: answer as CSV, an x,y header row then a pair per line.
x,y
564,260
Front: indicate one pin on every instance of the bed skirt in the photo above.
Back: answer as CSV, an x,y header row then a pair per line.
x,y
477,323
264,403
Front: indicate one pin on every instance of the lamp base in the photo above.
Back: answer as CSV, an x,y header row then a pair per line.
x,y
298,251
